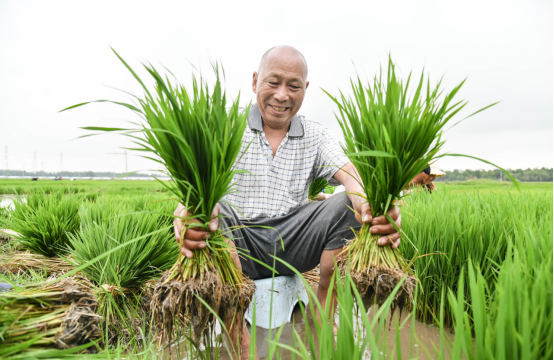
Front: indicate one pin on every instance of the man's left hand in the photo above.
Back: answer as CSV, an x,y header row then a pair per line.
x,y
380,225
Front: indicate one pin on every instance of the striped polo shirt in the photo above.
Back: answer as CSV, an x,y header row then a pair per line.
x,y
279,185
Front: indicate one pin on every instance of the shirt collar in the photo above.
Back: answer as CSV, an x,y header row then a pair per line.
x,y
255,121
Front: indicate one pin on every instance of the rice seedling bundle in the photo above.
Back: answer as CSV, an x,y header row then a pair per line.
x,y
196,139
121,277
316,187
59,316
42,223
390,138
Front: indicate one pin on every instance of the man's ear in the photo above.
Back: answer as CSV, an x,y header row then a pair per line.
x,y
254,82
307,83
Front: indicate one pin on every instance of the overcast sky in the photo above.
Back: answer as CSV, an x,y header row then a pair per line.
x,y
54,54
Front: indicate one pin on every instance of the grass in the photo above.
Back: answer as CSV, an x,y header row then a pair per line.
x,y
484,185
492,284
392,132
453,227
121,278
36,322
44,221
26,186
316,187
195,136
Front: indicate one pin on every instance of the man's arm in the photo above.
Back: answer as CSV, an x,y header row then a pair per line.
x,y
349,178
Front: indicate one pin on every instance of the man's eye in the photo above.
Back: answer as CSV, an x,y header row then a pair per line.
x,y
272,83
295,87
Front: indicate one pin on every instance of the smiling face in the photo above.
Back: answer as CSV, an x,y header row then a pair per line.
x,y
280,85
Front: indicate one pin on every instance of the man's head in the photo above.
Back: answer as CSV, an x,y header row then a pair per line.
x,y
280,85
430,179
420,179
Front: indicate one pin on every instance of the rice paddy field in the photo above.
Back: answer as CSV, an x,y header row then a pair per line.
x,y
87,253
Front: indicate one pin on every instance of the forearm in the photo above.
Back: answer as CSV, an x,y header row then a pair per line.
x,y
348,176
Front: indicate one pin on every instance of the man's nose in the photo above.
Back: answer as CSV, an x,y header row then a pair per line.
x,y
281,94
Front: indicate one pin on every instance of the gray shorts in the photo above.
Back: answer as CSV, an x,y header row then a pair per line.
x,y
306,232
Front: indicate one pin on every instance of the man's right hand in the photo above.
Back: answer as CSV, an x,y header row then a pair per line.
x,y
195,238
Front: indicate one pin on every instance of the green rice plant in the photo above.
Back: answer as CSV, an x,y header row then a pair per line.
x,y
517,323
451,228
4,217
357,337
41,223
316,187
196,139
36,322
390,137
121,277
44,221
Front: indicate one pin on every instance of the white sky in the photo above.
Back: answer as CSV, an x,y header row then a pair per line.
x,y
54,54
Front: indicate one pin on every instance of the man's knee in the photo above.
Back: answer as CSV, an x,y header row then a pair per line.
x,y
339,207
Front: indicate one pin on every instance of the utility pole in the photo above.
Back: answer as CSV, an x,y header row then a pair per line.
x,y
35,167
42,171
6,162
61,163
125,164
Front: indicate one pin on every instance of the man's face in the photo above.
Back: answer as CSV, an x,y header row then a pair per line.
x,y
280,86
418,181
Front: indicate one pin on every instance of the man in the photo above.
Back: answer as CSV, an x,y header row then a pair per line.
x,y
284,153
429,186
420,179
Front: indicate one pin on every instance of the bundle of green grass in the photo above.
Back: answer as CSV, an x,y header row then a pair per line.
x,y
121,277
196,138
42,223
316,187
4,216
390,137
37,322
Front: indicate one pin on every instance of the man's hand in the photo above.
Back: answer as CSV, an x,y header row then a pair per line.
x,y
379,225
195,238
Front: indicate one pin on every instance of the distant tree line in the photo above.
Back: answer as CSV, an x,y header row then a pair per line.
x,y
66,174
522,175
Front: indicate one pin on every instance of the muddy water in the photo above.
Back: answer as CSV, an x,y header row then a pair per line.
x,y
420,345
6,200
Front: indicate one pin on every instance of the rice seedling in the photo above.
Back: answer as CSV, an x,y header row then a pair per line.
x,y
35,320
454,227
390,138
196,139
517,323
121,278
41,223
316,187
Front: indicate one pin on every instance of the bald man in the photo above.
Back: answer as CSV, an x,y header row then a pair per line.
x,y
285,152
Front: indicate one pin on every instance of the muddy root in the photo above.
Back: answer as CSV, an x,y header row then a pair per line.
x,y
133,304
67,305
376,286
19,262
176,303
